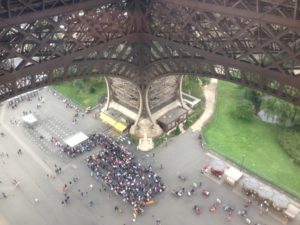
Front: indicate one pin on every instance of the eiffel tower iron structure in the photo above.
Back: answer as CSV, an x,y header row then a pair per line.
x,y
144,47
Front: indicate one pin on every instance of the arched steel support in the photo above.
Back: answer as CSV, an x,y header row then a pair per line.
x,y
108,100
180,93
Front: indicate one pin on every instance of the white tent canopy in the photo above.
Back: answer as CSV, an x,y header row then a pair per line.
x,y
232,175
76,139
292,211
29,118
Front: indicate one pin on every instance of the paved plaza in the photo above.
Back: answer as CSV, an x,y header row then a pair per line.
x,y
37,200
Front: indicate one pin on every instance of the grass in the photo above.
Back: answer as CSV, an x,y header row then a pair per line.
x,y
80,94
191,86
253,144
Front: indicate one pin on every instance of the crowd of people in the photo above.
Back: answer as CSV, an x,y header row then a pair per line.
x,y
14,102
116,167
72,152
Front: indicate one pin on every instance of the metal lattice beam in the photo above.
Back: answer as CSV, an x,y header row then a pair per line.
x,y
255,43
285,12
20,11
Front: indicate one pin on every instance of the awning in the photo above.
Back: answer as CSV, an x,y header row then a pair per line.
x,y
233,174
250,183
280,201
265,192
29,118
76,139
292,211
217,165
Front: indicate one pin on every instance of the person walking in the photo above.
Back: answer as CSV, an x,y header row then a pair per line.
x,y
91,203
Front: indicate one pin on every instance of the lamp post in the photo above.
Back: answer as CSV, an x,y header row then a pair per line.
x,y
242,162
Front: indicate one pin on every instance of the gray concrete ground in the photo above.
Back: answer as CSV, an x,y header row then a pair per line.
x,y
181,155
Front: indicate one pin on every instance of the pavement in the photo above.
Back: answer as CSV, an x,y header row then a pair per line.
x,y
181,155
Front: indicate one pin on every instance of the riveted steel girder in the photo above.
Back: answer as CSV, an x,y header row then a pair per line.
x,y
255,43
19,11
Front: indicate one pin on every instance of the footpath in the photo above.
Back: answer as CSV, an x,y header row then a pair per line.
x,y
210,96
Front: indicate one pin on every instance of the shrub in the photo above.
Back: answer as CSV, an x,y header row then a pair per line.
x,y
92,90
290,142
187,123
176,132
160,139
255,97
204,81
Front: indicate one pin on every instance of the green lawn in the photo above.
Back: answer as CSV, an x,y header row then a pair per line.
x,y
79,92
255,141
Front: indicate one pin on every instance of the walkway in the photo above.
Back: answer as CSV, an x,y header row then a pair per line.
x,y
182,155
210,96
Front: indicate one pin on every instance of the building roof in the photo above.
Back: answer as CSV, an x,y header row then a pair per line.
x,y
172,115
118,116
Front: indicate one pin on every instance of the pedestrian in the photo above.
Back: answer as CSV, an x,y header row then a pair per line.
x,y
36,200
91,186
228,218
91,203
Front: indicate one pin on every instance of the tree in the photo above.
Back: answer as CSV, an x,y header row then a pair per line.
x,y
204,81
255,97
283,110
296,116
244,110
92,90
290,142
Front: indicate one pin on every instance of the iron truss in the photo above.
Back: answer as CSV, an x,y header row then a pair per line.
x,y
255,43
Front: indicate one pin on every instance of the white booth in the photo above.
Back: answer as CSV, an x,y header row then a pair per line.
x,y
292,211
29,119
232,175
